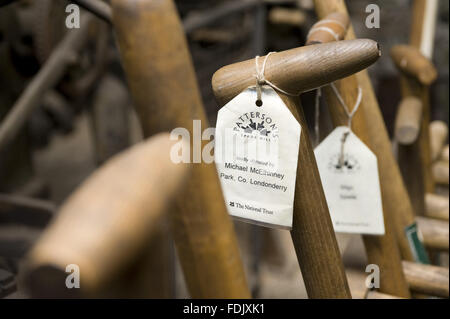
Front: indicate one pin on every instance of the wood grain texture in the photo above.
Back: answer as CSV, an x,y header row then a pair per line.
x,y
427,279
300,69
107,222
441,172
326,30
408,120
312,231
434,232
395,197
372,294
411,170
438,137
411,62
162,80
445,153
381,250
436,206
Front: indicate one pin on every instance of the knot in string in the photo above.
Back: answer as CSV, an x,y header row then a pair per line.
x,y
350,115
261,80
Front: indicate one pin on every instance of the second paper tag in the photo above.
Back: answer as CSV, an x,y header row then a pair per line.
x,y
350,180
256,153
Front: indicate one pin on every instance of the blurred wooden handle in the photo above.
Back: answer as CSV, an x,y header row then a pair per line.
x,y
332,28
107,221
427,279
434,232
408,120
436,206
438,136
445,153
410,61
441,172
287,16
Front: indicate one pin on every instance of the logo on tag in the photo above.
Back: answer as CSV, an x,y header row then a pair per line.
x,y
349,165
257,122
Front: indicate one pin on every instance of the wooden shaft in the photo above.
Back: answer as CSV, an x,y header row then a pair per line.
x,y
381,250
312,231
427,279
411,170
437,206
326,30
300,69
395,197
108,221
438,137
417,74
423,26
411,87
162,80
411,62
408,120
434,232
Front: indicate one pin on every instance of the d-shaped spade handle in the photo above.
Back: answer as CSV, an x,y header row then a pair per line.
x,y
299,70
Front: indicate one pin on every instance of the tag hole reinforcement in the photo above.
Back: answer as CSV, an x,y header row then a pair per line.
x,y
259,102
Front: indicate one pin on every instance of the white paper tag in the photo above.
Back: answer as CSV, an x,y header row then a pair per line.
x,y
256,153
351,186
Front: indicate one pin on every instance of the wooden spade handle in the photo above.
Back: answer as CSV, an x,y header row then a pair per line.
x,y
437,206
107,222
445,153
411,62
434,232
396,203
332,28
408,120
298,70
381,250
427,279
163,85
438,136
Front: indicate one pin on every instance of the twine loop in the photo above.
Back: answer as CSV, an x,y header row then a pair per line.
x,y
261,79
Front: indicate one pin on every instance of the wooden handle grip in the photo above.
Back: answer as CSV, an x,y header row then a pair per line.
x,y
299,70
332,28
410,61
434,233
408,120
438,136
107,221
427,279
436,206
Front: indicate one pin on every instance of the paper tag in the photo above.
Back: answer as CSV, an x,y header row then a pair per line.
x,y
256,153
351,184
